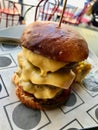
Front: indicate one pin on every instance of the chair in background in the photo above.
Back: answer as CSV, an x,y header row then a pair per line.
x,y
46,9
9,11
72,15
69,15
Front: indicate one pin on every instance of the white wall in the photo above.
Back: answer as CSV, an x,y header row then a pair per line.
x,y
78,3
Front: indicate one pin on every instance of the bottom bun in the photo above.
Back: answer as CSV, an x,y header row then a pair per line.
x,y
30,101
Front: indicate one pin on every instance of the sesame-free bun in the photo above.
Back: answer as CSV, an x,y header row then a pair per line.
x,y
58,43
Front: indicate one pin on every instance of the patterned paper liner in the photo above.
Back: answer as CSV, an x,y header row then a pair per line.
x,y
81,110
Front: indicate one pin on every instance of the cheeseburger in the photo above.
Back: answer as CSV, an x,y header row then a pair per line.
x,y
51,60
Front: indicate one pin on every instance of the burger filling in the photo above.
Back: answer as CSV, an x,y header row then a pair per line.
x,y
44,77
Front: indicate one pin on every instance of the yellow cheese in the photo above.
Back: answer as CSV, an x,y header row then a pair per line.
x,y
45,64
25,67
40,92
59,78
81,70
37,80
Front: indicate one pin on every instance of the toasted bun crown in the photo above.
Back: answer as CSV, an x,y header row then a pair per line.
x,y
62,44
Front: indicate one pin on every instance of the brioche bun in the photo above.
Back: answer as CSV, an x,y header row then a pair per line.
x,y
66,45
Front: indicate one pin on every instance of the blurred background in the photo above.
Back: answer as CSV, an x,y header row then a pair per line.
x,y
79,10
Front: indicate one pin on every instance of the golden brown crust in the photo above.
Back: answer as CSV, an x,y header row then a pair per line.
x,y
26,99
30,101
62,44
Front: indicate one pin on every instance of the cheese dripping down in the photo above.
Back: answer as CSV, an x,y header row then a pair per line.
x,y
39,76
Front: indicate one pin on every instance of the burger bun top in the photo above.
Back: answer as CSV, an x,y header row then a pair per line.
x,y
59,43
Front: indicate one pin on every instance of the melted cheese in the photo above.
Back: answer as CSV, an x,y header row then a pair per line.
x,y
45,64
81,70
36,80
44,81
59,79
40,92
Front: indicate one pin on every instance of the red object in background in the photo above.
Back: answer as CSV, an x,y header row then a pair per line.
x,y
9,11
72,15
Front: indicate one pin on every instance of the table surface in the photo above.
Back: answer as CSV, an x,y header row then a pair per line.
x,y
81,110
